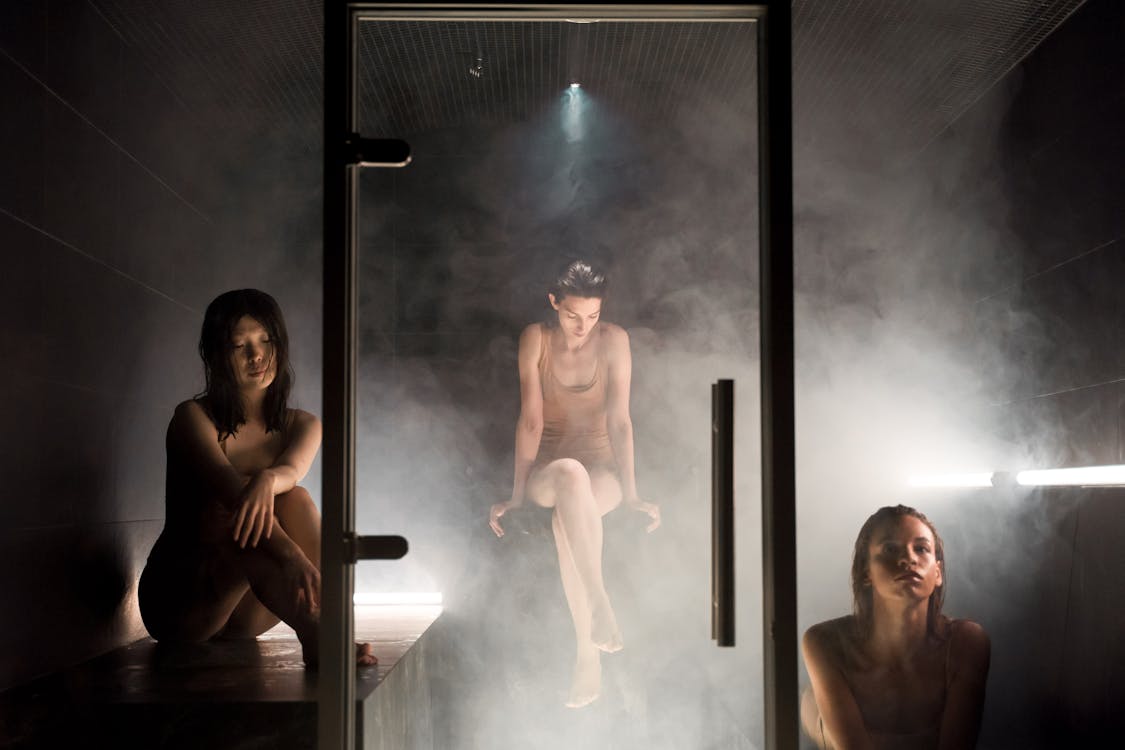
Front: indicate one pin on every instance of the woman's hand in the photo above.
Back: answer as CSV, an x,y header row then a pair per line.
x,y
652,509
254,517
303,579
498,510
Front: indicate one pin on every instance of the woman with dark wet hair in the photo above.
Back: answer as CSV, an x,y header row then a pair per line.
x,y
240,548
574,452
897,673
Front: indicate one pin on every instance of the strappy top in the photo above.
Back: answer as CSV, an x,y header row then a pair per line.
x,y
574,417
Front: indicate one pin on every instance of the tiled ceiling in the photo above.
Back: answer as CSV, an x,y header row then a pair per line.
x,y
422,76
906,68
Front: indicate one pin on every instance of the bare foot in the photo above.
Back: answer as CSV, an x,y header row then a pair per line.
x,y
310,649
586,684
603,628
365,655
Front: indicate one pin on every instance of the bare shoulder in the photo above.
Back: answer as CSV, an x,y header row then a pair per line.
x,y
615,340
969,647
530,347
615,334
531,337
826,641
191,425
303,429
189,409
190,414
301,419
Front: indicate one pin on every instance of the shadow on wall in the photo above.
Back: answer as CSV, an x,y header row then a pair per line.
x,y
82,582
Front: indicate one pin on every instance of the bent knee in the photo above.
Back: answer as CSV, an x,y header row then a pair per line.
x,y
569,475
296,498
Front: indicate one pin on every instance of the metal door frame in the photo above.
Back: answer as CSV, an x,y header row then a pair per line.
x,y
336,703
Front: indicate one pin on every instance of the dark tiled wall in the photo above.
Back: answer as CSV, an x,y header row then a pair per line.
x,y
1058,313
1042,570
109,257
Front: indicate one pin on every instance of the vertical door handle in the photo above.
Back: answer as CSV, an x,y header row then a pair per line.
x,y
722,512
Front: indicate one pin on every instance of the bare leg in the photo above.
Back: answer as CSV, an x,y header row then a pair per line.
x,y
565,485
298,516
192,593
296,512
607,496
587,680
580,500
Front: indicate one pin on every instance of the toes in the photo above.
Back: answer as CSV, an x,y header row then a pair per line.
x,y
579,702
365,655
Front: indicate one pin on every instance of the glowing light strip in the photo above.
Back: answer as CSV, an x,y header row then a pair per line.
x,y
1083,476
962,479
428,597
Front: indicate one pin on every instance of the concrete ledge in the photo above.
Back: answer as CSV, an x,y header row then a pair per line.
x,y
232,695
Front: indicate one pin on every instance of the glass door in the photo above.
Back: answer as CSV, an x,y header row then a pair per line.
x,y
548,145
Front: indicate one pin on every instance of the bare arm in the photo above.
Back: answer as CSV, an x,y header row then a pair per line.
x,y
193,437
294,462
970,653
619,422
529,426
838,709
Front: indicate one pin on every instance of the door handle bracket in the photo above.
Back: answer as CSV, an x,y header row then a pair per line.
x,y
358,548
376,152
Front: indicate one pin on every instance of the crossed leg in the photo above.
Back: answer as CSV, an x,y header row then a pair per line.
x,y
580,499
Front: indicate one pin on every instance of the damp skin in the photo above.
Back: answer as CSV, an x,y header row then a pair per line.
x,y
240,548
913,677
581,477
252,356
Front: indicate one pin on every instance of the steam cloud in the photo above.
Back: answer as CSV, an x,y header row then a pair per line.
x,y
892,377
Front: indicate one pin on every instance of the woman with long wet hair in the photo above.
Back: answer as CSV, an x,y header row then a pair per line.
x,y
897,673
240,549
574,452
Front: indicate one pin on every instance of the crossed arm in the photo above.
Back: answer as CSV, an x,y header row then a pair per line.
x,y
193,436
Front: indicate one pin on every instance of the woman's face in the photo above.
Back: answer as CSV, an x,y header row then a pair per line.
x,y
577,315
902,562
252,355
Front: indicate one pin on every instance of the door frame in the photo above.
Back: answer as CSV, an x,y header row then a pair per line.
x,y
336,719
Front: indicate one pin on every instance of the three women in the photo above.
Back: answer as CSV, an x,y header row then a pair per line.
x,y
241,544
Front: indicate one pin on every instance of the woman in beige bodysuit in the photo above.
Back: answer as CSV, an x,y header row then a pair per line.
x,y
240,547
574,453
897,673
